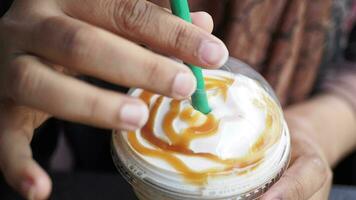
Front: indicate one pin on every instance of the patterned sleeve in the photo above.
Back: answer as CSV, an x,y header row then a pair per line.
x,y
342,83
340,75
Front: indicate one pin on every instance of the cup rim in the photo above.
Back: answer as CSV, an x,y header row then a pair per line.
x,y
242,69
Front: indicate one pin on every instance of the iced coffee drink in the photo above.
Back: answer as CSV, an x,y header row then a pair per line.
x,y
237,151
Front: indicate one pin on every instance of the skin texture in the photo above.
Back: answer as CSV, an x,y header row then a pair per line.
x,y
315,147
45,44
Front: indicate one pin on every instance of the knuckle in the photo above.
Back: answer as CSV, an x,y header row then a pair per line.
x,y
21,82
319,165
153,71
131,15
179,37
48,26
296,188
78,44
93,107
75,41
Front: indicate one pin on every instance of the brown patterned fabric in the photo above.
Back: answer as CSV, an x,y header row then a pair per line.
x,y
343,83
249,28
318,15
284,40
285,50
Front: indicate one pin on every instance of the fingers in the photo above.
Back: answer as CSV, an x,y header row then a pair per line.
x,y
98,53
303,179
324,192
33,84
19,169
151,25
203,20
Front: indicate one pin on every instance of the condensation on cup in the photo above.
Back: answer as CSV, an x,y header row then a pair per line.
x,y
238,151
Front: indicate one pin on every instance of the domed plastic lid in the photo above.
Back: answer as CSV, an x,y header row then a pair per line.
x,y
243,129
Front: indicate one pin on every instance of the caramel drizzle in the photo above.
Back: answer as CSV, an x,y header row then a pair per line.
x,y
179,142
220,83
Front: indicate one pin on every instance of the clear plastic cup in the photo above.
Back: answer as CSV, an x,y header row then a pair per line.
x,y
151,181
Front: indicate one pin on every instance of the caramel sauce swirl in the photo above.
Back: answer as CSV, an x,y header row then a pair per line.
x,y
179,141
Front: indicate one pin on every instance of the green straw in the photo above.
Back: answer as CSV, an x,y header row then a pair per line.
x,y
180,8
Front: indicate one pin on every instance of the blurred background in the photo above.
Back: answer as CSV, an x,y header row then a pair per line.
x,y
293,43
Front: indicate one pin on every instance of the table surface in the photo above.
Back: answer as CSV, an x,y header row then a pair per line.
x,y
106,186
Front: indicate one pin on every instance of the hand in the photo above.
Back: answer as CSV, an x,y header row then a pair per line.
x,y
309,175
39,39
44,43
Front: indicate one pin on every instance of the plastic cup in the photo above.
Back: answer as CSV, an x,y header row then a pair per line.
x,y
249,181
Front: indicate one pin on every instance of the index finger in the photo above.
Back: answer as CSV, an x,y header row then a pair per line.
x,y
151,25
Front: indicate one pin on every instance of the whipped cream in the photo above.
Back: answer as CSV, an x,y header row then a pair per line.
x,y
235,152
242,114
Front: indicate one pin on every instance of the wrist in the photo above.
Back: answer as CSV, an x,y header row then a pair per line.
x,y
347,137
303,127
329,121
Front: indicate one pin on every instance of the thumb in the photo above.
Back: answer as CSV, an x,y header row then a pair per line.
x,y
18,167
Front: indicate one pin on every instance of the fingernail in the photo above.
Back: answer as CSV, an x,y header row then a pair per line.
x,y
133,115
184,85
213,53
28,189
